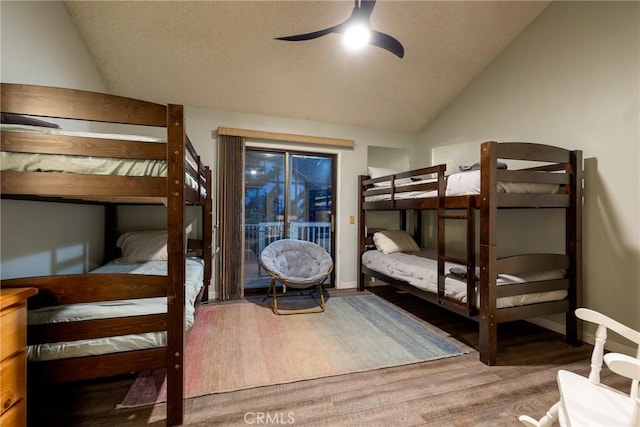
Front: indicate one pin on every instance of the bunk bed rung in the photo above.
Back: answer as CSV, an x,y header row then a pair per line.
x,y
81,185
532,262
96,328
532,176
443,300
465,217
17,142
84,288
454,260
533,310
80,105
533,200
457,307
531,151
85,368
532,287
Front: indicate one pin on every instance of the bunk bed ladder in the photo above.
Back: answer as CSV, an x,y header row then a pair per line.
x,y
469,260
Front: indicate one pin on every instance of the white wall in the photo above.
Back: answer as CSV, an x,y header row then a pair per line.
x,y
40,45
570,79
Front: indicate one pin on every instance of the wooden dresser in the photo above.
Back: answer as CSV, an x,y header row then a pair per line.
x,y
13,358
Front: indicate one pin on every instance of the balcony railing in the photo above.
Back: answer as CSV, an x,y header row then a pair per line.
x,y
259,236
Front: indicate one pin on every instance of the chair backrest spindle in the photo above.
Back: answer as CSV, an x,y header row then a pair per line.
x,y
597,354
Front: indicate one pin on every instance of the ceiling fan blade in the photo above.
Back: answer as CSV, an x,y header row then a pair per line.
x,y
361,12
311,36
366,6
386,42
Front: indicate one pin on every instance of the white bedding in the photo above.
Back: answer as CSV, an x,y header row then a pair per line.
x,y
111,309
417,269
468,183
29,162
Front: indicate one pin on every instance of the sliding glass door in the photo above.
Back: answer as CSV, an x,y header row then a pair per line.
x,y
287,195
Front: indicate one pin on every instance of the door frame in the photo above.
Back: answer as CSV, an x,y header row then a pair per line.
x,y
288,152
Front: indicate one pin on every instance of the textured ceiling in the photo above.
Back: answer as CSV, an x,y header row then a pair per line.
x,y
222,55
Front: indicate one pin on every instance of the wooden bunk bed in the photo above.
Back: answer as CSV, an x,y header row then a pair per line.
x,y
182,180
497,188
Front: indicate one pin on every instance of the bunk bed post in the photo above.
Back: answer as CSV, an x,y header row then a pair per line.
x,y
110,232
176,138
418,227
402,219
574,249
440,230
488,254
362,231
207,238
471,253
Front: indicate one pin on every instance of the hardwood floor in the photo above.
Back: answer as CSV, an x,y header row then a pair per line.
x,y
458,391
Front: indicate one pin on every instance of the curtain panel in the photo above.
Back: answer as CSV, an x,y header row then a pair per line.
x,y
230,215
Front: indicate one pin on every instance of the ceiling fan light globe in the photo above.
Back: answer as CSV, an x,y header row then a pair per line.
x,y
356,36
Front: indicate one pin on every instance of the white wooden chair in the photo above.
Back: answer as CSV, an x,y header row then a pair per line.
x,y
587,402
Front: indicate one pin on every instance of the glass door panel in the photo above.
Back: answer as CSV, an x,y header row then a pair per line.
x,y
310,199
287,195
263,210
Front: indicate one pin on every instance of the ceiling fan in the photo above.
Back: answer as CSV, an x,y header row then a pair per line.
x,y
357,30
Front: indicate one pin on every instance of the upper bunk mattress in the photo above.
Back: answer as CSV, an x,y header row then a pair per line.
x,y
467,183
417,269
31,162
112,309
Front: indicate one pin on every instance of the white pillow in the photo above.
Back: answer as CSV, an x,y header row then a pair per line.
x,y
140,246
390,241
378,172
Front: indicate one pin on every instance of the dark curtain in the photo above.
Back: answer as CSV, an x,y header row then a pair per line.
x,y
230,215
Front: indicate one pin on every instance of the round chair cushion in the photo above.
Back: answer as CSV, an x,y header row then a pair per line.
x,y
298,262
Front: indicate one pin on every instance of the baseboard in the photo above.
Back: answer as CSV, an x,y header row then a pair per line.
x,y
347,285
548,324
587,337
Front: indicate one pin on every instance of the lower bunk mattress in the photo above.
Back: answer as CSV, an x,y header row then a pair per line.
x,y
112,309
421,271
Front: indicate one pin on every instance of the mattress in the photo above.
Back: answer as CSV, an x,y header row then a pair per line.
x,y
466,183
30,162
111,309
417,269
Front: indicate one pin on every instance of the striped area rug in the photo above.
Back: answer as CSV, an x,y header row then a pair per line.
x,y
244,345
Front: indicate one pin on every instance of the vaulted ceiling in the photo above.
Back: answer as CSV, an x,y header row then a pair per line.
x,y
222,55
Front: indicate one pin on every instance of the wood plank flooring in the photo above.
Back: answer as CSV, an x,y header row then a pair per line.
x,y
458,391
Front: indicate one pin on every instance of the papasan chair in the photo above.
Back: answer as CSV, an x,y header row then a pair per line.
x,y
296,264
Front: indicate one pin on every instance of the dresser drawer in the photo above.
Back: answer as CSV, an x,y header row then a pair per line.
x,y
13,357
16,416
13,385
13,323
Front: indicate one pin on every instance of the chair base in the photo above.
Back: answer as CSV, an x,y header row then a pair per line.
x,y
274,293
549,419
